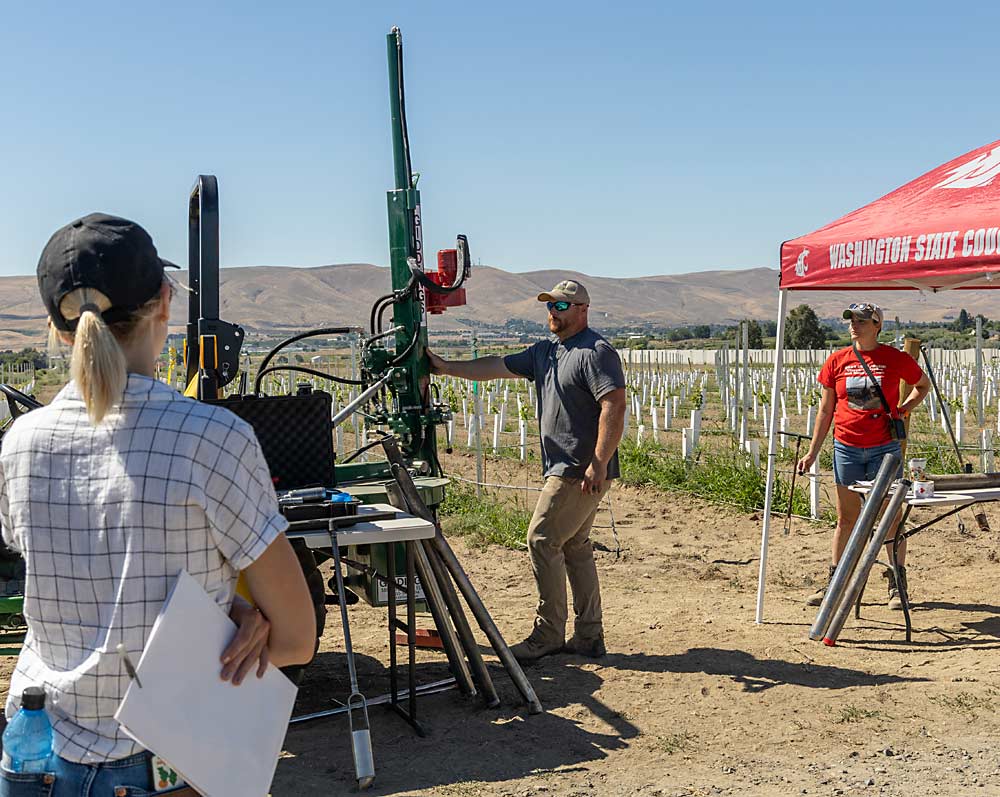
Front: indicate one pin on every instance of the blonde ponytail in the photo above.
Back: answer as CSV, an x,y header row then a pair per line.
x,y
98,364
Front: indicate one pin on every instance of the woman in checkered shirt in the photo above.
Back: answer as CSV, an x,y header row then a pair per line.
x,y
113,489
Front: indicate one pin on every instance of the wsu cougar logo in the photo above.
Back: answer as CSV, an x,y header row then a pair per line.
x,y
976,173
801,267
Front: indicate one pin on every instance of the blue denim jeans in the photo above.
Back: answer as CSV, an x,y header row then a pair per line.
x,y
853,464
126,777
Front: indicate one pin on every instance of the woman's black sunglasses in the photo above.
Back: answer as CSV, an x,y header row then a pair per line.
x,y
561,307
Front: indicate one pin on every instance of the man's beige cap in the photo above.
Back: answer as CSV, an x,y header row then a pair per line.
x,y
566,291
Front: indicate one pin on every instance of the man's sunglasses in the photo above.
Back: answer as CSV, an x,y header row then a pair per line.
x,y
560,307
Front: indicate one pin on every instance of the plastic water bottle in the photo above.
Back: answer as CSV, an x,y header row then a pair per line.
x,y
27,739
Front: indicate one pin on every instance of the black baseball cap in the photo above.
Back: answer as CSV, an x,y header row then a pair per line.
x,y
111,254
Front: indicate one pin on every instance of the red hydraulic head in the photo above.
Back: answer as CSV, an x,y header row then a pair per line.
x,y
445,275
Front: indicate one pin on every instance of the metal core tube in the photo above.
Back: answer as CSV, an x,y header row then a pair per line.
x,y
487,625
439,611
860,577
468,591
855,544
462,628
366,394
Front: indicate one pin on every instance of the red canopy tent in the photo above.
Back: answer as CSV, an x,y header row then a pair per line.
x,y
938,232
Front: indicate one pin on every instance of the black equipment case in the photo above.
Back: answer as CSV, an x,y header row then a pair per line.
x,y
295,435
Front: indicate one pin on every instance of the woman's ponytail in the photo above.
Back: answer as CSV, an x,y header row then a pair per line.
x,y
98,364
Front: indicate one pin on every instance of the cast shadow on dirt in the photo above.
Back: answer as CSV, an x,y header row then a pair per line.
x,y
465,741
756,675
989,626
983,634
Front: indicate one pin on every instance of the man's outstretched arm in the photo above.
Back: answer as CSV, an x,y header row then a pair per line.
x,y
480,370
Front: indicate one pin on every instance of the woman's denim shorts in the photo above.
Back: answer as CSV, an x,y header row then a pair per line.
x,y
854,464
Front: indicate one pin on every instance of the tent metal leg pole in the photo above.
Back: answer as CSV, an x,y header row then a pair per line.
x,y
772,450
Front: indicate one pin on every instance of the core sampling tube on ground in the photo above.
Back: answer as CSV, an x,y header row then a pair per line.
x,y
855,544
860,577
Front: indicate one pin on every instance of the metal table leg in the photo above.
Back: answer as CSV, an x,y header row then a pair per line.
x,y
393,698
894,562
395,704
411,635
390,564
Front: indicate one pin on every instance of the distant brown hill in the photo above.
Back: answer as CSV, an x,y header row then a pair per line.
x,y
273,299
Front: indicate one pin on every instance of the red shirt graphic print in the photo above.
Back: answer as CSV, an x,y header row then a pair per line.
x,y
859,418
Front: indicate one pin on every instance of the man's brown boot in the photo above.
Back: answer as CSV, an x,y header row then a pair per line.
x,y
535,647
591,647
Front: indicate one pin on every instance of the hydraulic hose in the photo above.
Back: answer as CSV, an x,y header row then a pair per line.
x,y
302,369
380,336
358,452
381,312
376,314
405,352
428,285
295,338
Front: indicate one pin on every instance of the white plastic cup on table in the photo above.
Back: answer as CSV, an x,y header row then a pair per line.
x,y
923,489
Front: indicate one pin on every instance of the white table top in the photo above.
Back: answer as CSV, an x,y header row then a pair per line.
x,y
944,497
401,528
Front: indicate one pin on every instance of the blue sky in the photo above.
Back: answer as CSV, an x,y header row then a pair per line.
x,y
616,139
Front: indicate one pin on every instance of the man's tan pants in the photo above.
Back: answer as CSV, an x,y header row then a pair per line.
x,y
559,544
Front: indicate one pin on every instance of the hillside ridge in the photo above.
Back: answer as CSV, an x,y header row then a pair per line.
x,y
276,299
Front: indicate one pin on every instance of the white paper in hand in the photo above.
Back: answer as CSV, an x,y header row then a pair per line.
x,y
223,739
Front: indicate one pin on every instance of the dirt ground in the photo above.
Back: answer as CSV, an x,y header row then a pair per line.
x,y
693,698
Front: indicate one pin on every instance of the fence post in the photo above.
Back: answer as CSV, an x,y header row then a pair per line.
x,y
478,410
814,490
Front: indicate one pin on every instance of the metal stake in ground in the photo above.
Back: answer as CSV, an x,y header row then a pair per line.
x,y
795,469
965,466
361,739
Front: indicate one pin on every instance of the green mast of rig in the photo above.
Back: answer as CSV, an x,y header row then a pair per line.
x,y
411,417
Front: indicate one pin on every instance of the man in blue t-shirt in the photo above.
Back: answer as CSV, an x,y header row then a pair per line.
x,y
581,413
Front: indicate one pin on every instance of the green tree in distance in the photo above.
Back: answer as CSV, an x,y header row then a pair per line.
x,y
963,322
803,330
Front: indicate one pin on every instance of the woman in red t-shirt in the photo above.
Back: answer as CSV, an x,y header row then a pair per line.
x,y
861,435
